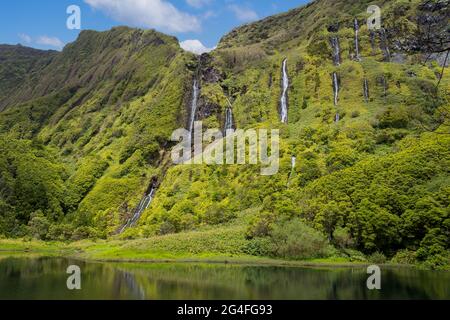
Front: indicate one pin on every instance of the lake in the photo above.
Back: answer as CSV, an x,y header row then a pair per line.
x,y
45,278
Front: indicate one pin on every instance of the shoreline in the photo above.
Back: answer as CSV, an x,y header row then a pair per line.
x,y
85,253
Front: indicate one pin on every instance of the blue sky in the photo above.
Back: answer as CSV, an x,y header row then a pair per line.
x,y
42,24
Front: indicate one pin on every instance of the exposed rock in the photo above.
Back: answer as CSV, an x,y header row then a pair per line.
x,y
398,57
440,59
207,109
333,27
211,75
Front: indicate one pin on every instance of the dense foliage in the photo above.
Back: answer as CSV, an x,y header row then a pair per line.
x,y
79,149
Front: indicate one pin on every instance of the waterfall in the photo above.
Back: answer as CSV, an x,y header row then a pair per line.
x,y
337,118
195,93
335,88
284,97
336,50
366,90
143,205
357,39
291,174
228,119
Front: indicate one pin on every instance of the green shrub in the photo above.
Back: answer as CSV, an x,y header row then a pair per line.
x,y
60,232
296,240
217,214
342,238
394,117
84,232
404,257
355,255
39,225
259,227
377,258
258,247
355,114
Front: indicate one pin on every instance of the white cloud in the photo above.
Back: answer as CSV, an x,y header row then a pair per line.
x,y
195,46
209,14
25,38
148,13
198,3
42,41
243,14
50,41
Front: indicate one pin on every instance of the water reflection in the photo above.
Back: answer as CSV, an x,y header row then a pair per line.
x,y
45,278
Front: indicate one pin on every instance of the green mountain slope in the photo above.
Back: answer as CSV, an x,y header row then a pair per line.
x,y
87,133
106,105
16,64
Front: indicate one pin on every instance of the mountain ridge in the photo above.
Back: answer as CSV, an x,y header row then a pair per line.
x,y
366,125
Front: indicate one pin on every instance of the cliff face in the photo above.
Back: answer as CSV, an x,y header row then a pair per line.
x,y
16,64
366,124
105,107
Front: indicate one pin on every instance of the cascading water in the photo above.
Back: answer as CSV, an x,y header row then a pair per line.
x,y
357,39
366,90
195,94
228,119
143,205
284,97
293,165
335,88
336,50
337,118
336,94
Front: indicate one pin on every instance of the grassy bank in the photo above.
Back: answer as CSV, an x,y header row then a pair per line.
x,y
224,245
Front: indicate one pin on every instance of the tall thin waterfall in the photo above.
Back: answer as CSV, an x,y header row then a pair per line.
x,y
195,94
357,39
337,117
366,90
228,119
335,88
336,50
293,165
143,205
284,95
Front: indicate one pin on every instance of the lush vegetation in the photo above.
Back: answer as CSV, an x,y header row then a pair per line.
x,y
79,150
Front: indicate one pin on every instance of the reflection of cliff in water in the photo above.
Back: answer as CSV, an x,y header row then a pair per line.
x,y
22,278
126,280
237,282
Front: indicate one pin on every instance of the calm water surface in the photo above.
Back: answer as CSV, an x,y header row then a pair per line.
x,y
45,278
